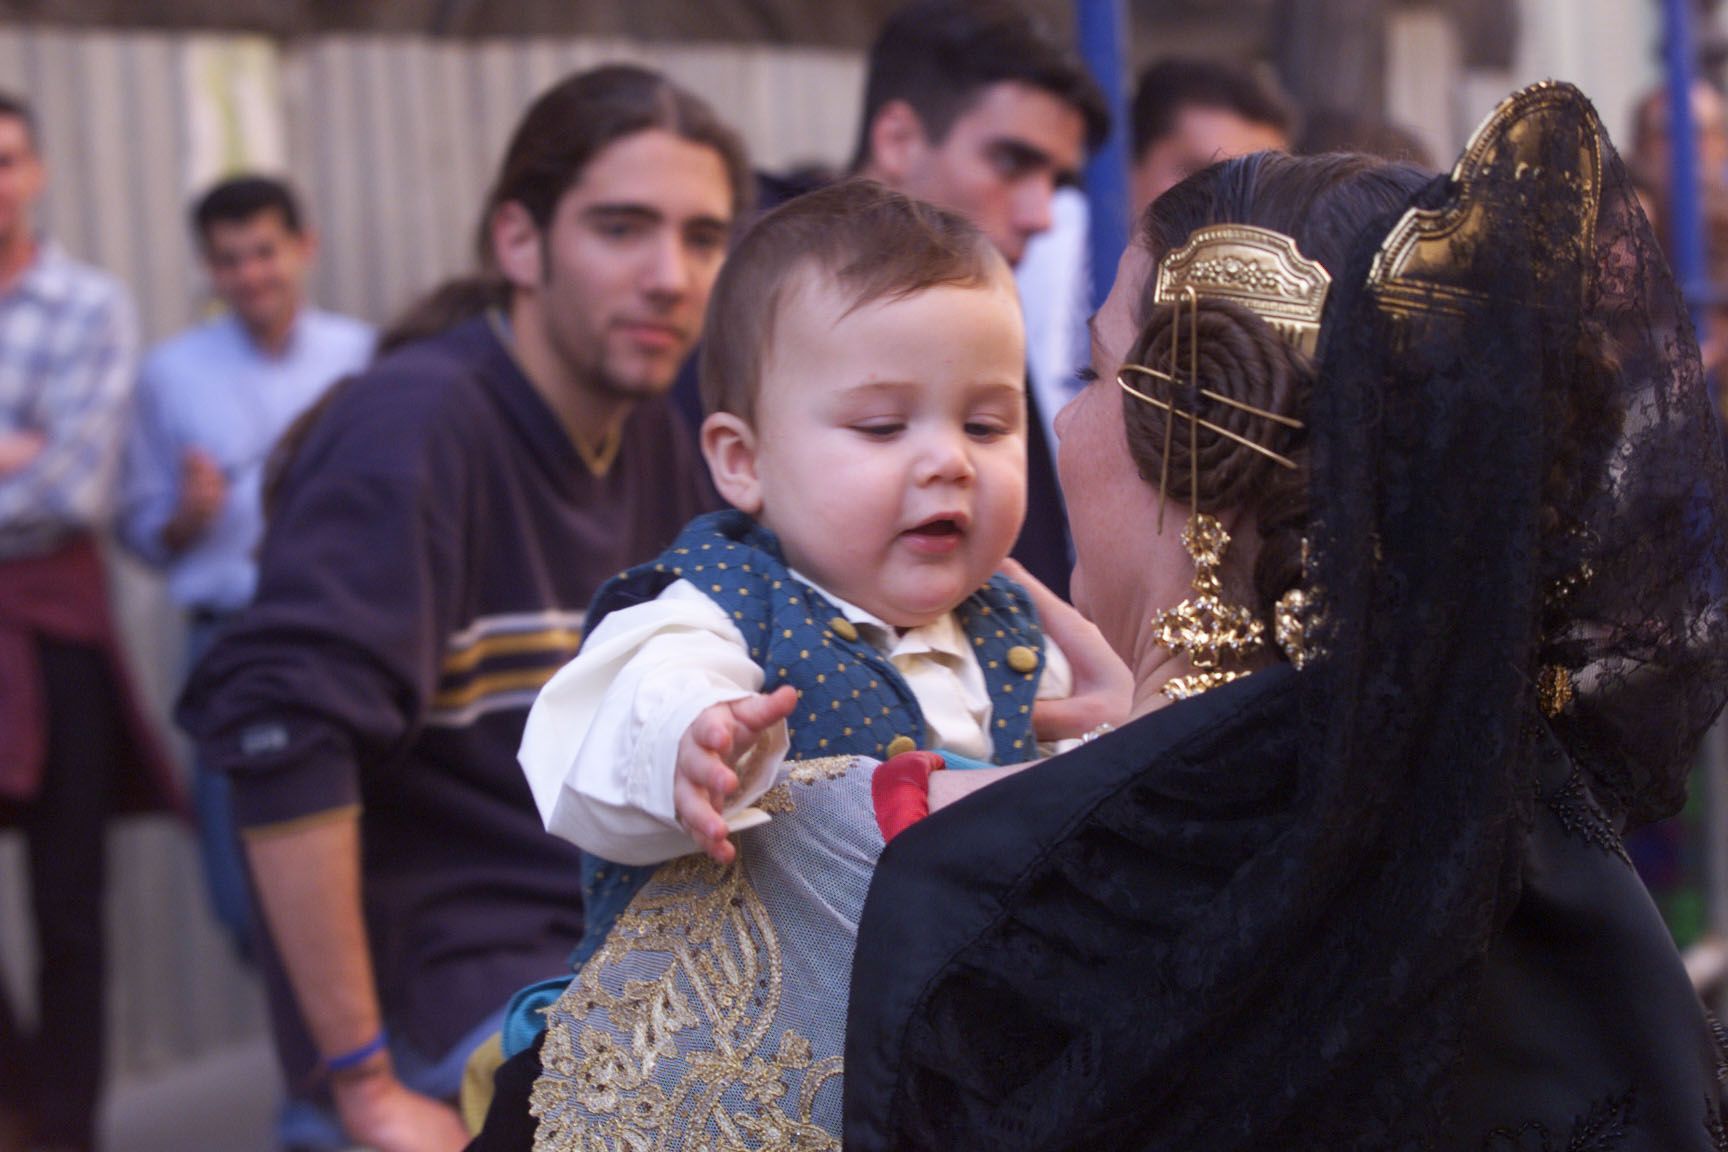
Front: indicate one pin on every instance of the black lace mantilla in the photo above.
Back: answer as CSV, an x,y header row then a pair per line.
x,y
1517,480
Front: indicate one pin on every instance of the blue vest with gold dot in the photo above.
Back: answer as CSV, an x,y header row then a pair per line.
x,y
852,701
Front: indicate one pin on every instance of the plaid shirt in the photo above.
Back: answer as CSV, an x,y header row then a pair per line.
x,y
67,354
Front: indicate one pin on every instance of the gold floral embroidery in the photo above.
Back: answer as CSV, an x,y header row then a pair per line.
x,y
777,800
687,1058
816,771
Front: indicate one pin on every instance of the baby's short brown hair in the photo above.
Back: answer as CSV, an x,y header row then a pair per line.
x,y
872,243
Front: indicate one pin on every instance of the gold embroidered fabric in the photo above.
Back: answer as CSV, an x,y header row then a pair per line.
x,y
714,1015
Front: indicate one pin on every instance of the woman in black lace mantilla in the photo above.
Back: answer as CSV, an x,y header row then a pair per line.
x,y
1378,902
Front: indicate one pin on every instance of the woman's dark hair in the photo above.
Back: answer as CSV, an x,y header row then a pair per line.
x,y
1326,204
1330,205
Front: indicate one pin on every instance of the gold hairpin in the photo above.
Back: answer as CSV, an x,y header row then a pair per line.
x,y
1240,406
1190,297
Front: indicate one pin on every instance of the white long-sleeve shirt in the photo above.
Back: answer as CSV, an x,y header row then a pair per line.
x,y
601,745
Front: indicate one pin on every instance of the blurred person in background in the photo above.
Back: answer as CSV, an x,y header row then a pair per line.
x,y
1651,159
1189,113
1652,156
210,405
74,748
434,540
1342,130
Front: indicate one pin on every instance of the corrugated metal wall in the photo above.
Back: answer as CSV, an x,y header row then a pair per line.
x,y
397,139
392,142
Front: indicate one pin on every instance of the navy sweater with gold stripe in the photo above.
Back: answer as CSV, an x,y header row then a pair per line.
x,y
436,543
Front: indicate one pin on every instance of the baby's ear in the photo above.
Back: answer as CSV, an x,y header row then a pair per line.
x,y
729,446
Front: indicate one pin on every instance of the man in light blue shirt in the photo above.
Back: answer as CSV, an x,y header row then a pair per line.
x,y
212,401
210,405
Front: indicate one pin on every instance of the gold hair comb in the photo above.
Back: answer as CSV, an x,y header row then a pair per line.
x,y
1258,268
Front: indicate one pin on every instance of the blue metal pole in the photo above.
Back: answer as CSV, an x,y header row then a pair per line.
x,y
1685,203
1687,232
1103,28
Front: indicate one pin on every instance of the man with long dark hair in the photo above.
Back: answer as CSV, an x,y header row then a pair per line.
x,y
437,534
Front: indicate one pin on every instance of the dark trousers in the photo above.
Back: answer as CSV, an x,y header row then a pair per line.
x,y
56,1075
509,1127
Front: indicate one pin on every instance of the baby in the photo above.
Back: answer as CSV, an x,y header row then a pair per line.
x,y
864,374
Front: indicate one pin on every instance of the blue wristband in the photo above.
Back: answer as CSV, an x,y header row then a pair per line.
x,y
359,1055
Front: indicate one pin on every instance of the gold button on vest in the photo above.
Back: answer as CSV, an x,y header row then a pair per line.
x,y
1022,658
901,744
843,628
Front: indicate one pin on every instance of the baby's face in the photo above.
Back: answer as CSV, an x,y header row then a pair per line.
x,y
891,443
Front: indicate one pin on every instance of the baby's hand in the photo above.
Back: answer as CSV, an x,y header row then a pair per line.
x,y
713,743
1103,687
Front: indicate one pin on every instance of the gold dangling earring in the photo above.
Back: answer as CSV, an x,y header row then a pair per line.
x,y
1293,619
1205,628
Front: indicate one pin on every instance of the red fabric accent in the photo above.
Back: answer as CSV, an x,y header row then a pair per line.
x,y
900,791
63,594
22,733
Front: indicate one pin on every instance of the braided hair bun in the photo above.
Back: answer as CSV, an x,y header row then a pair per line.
x,y
1238,356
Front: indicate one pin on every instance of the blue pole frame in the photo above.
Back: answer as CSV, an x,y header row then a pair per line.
x,y
1103,36
1685,206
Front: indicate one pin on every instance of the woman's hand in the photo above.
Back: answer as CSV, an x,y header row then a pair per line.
x,y
1103,687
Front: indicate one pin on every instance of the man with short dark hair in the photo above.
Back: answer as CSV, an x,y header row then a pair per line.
x,y
435,539
211,403
73,746
1190,113
975,106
